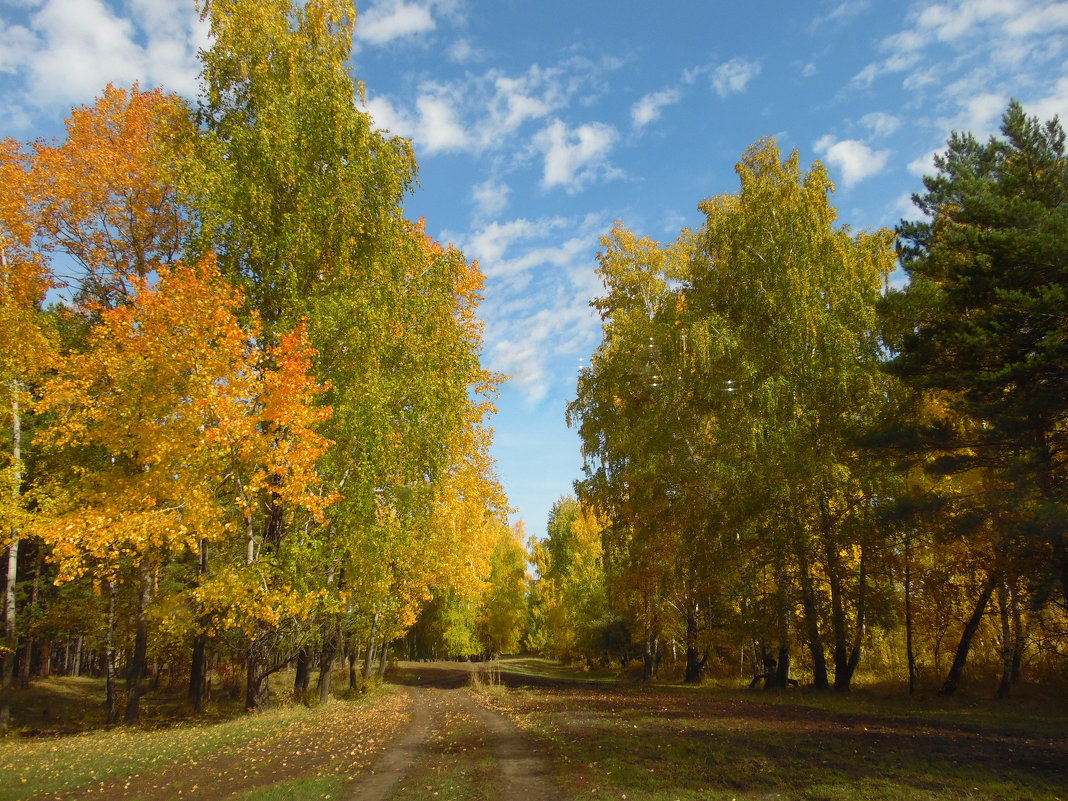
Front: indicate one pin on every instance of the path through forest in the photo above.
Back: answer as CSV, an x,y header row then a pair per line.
x,y
455,748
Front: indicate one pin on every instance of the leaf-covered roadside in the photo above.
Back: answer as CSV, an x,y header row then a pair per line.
x,y
205,762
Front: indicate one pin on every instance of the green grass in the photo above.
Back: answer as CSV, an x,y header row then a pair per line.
x,y
32,766
54,764
537,667
659,744
305,789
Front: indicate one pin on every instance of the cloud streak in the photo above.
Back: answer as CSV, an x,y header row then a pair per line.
x,y
852,158
575,156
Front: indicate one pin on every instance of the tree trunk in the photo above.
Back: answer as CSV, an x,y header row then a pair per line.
x,y
648,657
354,657
326,666
1005,685
382,659
812,624
30,644
781,677
695,664
109,659
843,675
138,667
1046,485
1019,636
257,686
253,681
910,651
369,661
302,674
953,678
76,663
198,672
198,669
44,658
7,682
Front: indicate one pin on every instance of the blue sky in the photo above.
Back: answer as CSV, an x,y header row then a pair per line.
x,y
536,125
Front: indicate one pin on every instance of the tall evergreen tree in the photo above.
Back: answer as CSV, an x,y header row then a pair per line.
x,y
989,278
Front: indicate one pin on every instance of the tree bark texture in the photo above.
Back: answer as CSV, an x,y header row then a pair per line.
x,y
956,670
109,659
11,642
812,624
138,667
369,660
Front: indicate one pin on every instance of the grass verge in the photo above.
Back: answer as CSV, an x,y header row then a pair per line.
x,y
671,744
186,756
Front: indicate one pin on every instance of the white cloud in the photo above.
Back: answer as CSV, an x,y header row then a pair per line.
x,y
573,157
648,108
439,131
463,52
979,114
387,20
85,46
19,45
490,243
490,198
434,125
924,165
733,77
480,113
389,118
69,49
808,70
852,158
904,209
1011,32
1054,104
540,278
1035,20
842,12
880,123
524,362
513,101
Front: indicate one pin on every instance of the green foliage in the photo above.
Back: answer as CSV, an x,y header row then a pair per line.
x,y
745,380
570,594
987,293
503,615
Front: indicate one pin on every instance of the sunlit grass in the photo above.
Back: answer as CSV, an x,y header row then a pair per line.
x,y
49,765
538,667
55,764
316,788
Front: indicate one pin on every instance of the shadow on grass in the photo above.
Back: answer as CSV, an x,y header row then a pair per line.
x,y
654,744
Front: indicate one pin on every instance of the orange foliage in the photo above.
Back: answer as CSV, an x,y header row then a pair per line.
x,y
175,401
104,194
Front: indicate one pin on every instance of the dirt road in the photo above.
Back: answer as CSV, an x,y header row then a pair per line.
x,y
454,748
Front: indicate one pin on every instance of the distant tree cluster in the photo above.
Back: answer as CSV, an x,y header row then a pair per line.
x,y
246,414
795,464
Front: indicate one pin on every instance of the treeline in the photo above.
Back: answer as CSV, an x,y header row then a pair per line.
x,y
247,419
792,466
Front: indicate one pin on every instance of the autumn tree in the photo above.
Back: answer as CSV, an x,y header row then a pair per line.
x,y
719,412
183,433
301,198
26,351
105,195
623,417
503,611
570,586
